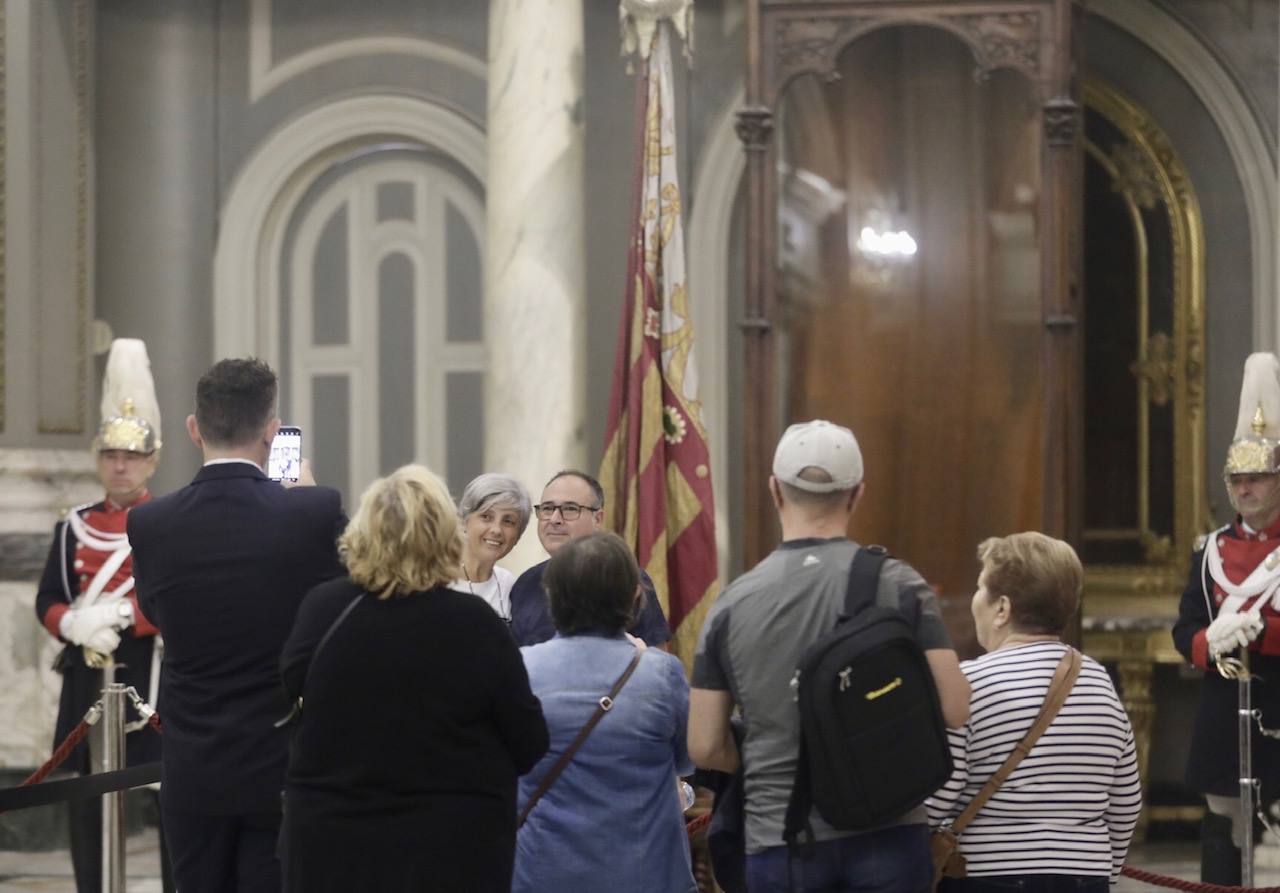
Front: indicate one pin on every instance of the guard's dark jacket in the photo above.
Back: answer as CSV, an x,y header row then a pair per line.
x,y
1213,763
82,685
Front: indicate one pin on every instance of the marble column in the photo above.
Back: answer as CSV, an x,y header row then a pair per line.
x,y
157,143
534,263
36,487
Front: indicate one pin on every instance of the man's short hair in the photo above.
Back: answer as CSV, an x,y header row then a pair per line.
x,y
816,502
596,490
591,583
1041,576
235,400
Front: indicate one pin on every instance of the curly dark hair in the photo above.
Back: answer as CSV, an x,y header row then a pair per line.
x,y
234,401
591,582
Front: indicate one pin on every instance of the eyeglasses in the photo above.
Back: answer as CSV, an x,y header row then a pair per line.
x,y
568,510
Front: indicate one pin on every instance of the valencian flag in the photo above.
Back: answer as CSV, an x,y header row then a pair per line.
x,y
656,467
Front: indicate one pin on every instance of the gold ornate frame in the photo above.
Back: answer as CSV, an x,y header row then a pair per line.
x,y
1128,608
1147,172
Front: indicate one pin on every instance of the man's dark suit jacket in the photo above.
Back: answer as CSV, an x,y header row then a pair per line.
x,y
221,567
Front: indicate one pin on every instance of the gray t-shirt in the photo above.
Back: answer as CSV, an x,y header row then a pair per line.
x,y
752,640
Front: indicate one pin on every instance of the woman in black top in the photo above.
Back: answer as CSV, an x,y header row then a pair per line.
x,y
418,715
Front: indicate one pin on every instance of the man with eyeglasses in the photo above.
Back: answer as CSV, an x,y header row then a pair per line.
x,y
572,505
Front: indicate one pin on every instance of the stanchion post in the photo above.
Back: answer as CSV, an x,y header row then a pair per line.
x,y
113,700
1245,699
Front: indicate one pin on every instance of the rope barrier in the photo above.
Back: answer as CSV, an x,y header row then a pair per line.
x,y
77,734
1173,883
79,788
91,716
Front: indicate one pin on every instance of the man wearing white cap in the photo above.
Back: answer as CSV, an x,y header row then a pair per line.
x,y
1232,602
751,642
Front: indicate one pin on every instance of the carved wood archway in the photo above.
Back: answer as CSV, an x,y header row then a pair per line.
x,y
788,38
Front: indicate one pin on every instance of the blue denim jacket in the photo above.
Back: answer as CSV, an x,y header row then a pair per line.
x,y
613,818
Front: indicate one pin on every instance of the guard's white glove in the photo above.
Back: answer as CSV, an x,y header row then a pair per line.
x,y
78,624
105,641
1231,631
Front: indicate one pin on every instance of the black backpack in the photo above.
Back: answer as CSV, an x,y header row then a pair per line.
x,y
873,743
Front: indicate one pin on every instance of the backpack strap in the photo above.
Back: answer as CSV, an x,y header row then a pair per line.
x,y
864,579
860,594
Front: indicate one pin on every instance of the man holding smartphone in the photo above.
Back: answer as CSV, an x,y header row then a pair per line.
x,y
221,567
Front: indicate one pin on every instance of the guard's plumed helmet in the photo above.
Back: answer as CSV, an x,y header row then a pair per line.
x,y
1256,448
130,413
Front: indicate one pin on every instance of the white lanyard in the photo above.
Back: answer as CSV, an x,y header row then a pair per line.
x,y
115,543
1263,581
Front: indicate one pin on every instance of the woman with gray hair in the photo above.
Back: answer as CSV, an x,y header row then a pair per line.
x,y
494,511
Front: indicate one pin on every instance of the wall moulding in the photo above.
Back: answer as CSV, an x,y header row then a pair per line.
x,y
267,73
277,175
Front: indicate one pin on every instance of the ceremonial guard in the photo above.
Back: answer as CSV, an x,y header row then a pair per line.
x,y
1232,602
86,598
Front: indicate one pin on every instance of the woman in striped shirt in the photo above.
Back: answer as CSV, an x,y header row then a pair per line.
x,y
1063,819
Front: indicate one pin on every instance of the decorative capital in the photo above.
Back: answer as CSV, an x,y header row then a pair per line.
x,y
640,19
1061,121
755,127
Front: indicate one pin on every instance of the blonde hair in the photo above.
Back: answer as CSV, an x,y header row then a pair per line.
x,y
1041,576
404,537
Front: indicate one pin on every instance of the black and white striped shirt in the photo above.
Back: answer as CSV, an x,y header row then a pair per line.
x,y
1071,804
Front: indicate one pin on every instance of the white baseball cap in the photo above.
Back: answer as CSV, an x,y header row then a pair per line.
x,y
818,444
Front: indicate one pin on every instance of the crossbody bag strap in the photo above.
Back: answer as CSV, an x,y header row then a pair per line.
x,y
295,709
604,706
1064,678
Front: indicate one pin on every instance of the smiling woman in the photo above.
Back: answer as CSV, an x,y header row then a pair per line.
x,y
494,511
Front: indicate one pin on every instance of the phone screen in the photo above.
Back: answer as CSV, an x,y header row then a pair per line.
x,y
286,454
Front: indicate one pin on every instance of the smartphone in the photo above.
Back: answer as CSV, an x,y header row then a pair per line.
x,y
286,454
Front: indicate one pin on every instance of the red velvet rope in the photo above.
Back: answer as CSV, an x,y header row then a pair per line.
x,y
64,750
69,744
59,756
1173,883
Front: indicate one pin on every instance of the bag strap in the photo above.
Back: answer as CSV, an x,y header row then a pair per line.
x,y
604,706
864,579
860,594
1064,678
295,709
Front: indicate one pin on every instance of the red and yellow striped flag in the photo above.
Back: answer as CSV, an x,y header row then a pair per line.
x,y
656,468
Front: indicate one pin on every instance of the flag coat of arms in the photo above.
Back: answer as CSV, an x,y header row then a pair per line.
x,y
656,469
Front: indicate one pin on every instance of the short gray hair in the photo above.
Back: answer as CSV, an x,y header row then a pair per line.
x,y
492,489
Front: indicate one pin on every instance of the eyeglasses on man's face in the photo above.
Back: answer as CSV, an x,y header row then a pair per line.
x,y
568,510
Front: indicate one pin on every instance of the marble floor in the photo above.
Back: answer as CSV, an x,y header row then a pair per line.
x,y
51,872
